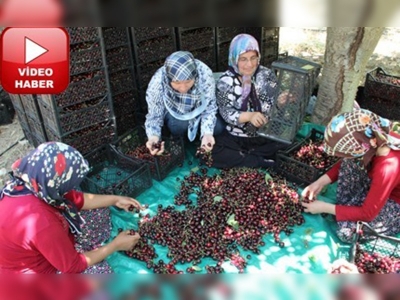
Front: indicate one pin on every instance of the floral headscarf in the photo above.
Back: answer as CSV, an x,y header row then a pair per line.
x,y
49,172
240,44
358,134
180,66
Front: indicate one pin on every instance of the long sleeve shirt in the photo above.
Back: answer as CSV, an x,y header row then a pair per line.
x,y
35,237
229,97
156,106
385,184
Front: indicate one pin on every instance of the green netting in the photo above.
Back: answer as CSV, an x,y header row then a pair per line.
x,y
310,249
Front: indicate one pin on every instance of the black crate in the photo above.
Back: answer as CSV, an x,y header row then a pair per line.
x,y
119,58
125,122
299,172
381,94
114,174
286,61
378,245
87,87
206,55
134,142
146,33
126,102
86,58
200,37
115,36
154,49
268,41
286,117
83,34
146,71
223,56
86,139
71,118
122,81
226,34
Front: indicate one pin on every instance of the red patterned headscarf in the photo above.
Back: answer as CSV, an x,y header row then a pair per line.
x,y
49,172
358,134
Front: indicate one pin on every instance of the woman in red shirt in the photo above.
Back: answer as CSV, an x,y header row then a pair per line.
x,y
368,175
39,214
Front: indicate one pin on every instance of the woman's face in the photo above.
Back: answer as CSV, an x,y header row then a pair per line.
x,y
247,63
182,86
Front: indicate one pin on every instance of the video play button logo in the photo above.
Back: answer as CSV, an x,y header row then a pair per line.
x,y
34,60
33,50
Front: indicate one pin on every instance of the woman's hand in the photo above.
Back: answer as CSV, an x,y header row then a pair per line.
x,y
125,241
125,203
318,207
258,119
153,140
311,191
342,266
208,142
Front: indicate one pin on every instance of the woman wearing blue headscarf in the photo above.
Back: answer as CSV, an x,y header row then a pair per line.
x,y
182,94
245,95
39,214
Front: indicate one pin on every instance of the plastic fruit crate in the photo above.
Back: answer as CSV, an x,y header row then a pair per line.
x,y
83,34
154,49
296,171
132,144
370,248
381,94
286,117
145,33
85,58
114,174
190,38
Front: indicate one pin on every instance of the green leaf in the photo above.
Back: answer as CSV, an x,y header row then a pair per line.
x,y
217,198
197,268
195,169
267,177
183,243
231,221
312,258
202,222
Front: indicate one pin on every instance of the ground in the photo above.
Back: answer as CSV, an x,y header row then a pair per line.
x,y
308,43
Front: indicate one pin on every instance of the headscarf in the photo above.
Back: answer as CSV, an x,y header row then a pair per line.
x,y
240,44
49,172
181,66
358,134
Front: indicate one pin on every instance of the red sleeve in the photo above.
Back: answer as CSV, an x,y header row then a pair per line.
x,y
333,173
56,246
383,182
75,197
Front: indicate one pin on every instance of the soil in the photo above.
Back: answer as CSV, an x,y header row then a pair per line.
x,y
308,43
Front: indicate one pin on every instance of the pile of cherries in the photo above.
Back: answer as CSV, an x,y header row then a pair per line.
x,y
375,263
232,209
313,155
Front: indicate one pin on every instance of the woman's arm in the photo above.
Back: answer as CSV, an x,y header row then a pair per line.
x,y
92,201
208,117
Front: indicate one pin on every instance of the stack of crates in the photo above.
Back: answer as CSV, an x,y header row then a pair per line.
x,y
381,94
151,46
82,116
29,117
224,36
200,41
268,41
120,62
296,80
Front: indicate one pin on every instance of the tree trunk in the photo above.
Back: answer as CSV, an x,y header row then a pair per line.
x,y
347,52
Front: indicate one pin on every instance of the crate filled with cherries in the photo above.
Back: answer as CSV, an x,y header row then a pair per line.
x,y
133,145
305,161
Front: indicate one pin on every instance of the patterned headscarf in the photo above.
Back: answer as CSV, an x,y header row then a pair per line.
x,y
240,44
49,172
181,66
358,134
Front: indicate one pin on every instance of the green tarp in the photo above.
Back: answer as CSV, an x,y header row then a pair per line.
x,y
310,249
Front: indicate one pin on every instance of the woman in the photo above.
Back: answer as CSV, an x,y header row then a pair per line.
x,y
39,214
245,95
182,94
368,175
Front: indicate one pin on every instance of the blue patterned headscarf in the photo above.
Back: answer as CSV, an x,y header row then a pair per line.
x,y
240,44
180,66
49,172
